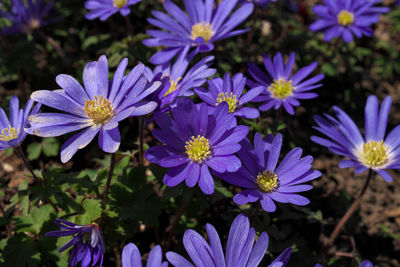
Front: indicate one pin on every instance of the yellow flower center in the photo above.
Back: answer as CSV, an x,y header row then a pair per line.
x,y
230,99
173,86
267,181
202,29
99,109
281,88
345,18
374,154
8,134
198,148
120,3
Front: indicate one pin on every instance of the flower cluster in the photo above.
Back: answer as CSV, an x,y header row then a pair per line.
x,y
201,138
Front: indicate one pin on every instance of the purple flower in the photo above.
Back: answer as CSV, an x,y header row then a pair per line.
x,y
375,151
178,79
203,24
88,244
131,257
195,141
267,181
282,88
347,18
26,18
362,264
103,9
97,108
12,132
239,248
230,91
261,3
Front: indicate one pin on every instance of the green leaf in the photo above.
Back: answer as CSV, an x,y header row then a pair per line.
x,y
34,151
51,147
92,211
33,223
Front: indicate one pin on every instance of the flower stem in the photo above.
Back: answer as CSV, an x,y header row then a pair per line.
x,y
129,26
110,174
27,164
53,43
255,215
171,229
278,118
349,212
141,137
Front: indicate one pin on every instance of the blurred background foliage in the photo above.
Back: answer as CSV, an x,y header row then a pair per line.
x,y
141,207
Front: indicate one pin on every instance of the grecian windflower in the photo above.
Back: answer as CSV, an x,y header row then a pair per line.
x,y
261,3
281,87
26,18
204,23
88,243
12,132
95,108
103,9
195,141
265,180
362,264
372,152
239,248
230,91
347,18
131,257
178,79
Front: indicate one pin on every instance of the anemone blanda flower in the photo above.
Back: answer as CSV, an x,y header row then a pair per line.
x,y
362,264
203,24
88,243
179,79
281,87
103,9
372,152
195,141
265,180
261,3
347,18
12,132
239,248
131,257
97,108
230,91
25,18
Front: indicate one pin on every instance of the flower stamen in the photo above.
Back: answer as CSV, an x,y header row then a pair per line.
x,y
173,86
8,134
345,18
267,181
99,109
281,88
202,29
374,154
119,3
198,148
230,99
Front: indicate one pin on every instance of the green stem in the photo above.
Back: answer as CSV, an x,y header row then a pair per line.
x,y
27,164
109,177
